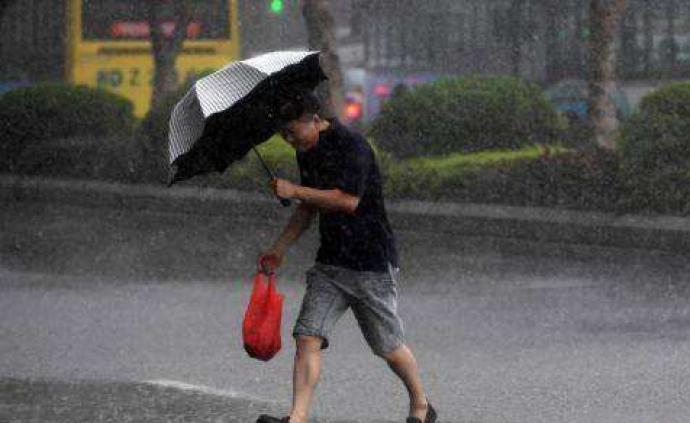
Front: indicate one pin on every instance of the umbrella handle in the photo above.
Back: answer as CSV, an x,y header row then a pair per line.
x,y
284,201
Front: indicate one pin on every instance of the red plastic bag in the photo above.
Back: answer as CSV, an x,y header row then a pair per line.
x,y
262,320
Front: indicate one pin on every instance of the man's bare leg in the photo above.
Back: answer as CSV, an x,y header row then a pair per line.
x,y
305,376
403,363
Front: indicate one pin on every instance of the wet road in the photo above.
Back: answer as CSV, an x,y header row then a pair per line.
x,y
503,330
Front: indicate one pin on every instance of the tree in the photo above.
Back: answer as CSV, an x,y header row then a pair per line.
x,y
604,17
648,48
554,14
517,34
669,47
629,51
167,44
321,36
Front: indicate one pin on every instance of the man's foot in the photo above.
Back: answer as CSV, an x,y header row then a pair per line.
x,y
265,418
430,416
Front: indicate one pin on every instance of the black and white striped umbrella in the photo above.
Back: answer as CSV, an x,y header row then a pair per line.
x,y
225,114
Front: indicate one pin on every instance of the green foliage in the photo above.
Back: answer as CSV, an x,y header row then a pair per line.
x,y
655,150
465,114
249,174
458,177
550,177
459,162
42,113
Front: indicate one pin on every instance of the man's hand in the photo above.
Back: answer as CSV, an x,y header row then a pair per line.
x,y
283,188
328,201
269,261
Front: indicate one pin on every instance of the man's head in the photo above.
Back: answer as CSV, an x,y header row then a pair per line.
x,y
300,121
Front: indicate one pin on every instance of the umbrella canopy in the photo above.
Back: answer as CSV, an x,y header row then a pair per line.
x,y
227,113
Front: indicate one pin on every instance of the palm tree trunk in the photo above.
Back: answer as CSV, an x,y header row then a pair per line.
x,y
321,36
604,17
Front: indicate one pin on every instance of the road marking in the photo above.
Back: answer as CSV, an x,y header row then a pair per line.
x,y
207,390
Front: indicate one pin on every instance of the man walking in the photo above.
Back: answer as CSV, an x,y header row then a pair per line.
x,y
357,262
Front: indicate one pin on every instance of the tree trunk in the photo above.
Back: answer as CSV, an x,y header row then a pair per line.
x,y
517,35
165,48
604,16
671,47
552,54
648,15
321,36
627,65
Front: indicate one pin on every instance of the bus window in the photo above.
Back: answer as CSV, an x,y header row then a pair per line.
x,y
127,20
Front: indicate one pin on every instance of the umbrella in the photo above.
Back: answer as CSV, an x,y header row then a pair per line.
x,y
226,114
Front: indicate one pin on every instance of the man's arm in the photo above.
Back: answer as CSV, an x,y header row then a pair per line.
x,y
331,200
299,222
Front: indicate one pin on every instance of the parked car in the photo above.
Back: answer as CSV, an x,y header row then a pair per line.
x,y
570,96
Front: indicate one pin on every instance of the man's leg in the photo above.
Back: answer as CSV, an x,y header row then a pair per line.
x,y
305,376
403,363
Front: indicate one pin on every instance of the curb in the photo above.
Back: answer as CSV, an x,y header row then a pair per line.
x,y
666,233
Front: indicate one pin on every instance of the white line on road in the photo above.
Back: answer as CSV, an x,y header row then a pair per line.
x,y
207,390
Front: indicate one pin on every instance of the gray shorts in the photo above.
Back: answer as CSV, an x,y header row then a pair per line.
x,y
373,296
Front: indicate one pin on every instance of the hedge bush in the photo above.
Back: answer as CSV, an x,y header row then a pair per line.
x,y
545,176
466,114
655,151
46,112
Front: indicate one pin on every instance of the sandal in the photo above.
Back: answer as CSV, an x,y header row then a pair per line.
x,y
265,418
430,416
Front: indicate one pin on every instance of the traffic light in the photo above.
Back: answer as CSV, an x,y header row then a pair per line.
x,y
353,107
353,111
277,6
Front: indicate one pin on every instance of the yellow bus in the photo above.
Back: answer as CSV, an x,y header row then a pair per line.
x,y
108,44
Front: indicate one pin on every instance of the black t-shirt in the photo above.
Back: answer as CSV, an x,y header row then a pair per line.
x,y
344,160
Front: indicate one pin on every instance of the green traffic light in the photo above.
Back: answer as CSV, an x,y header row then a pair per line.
x,y
277,6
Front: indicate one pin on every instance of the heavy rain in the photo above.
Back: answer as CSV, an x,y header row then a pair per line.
x,y
464,211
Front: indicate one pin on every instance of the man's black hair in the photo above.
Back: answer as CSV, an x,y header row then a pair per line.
x,y
295,103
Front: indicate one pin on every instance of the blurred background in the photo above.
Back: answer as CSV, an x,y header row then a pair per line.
x,y
452,92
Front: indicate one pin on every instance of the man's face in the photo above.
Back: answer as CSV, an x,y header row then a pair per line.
x,y
303,133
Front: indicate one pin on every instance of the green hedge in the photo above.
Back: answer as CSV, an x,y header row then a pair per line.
x,y
655,151
465,114
39,114
536,176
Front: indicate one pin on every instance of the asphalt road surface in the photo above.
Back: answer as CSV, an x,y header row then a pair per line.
x,y
98,304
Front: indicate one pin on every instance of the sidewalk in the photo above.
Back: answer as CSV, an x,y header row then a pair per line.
x,y
531,223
